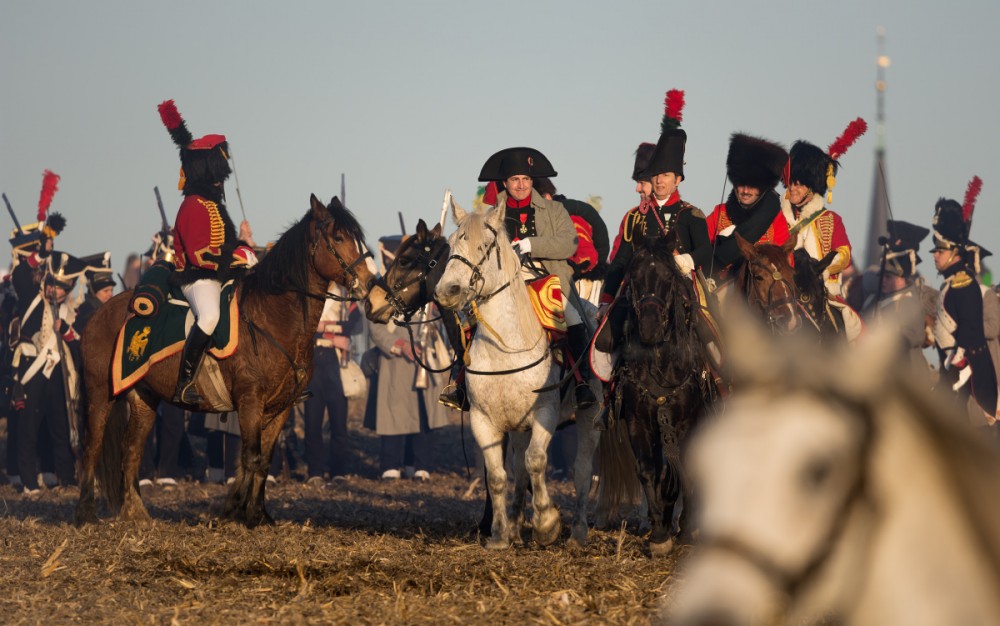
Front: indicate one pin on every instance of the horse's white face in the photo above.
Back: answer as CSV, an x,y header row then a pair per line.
x,y
475,267
774,477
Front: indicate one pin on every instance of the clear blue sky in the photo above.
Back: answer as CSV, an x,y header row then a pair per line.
x,y
408,98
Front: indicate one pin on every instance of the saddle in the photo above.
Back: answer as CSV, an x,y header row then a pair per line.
x,y
156,329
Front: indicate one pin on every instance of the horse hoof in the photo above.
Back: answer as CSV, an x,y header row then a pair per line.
x,y
495,543
578,536
83,517
659,550
548,527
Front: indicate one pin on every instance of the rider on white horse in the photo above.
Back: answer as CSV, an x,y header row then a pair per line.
x,y
205,243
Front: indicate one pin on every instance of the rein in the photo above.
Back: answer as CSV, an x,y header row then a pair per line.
x,y
349,271
300,372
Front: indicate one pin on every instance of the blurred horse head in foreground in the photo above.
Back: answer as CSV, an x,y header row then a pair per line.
x,y
835,488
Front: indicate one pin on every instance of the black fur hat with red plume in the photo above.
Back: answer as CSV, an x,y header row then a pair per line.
x,y
816,169
204,161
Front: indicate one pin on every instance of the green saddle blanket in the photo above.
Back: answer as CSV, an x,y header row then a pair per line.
x,y
144,341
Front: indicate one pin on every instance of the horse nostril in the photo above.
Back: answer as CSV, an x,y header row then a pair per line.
x,y
452,291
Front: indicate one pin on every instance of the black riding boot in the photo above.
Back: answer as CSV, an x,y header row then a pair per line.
x,y
578,343
194,351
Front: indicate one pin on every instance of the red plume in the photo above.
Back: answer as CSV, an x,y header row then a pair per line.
x,y
971,194
175,123
673,107
50,183
851,134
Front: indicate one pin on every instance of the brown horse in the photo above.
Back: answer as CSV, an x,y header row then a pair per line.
x,y
766,280
280,301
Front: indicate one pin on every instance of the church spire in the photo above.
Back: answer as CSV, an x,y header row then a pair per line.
x,y
879,211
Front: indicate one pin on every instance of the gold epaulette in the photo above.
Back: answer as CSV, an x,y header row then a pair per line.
x,y
961,279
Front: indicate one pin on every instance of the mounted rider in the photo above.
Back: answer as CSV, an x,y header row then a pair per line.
x,y
958,330
818,230
543,234
898,296
206,246
753,209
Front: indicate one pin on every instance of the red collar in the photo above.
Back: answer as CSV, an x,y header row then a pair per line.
x,y
518,204
674,198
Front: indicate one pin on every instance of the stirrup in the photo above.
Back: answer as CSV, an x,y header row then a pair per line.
x,y
454,397
188,395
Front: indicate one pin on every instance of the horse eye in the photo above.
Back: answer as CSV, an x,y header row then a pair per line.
x,y
757,278
816,473
405,262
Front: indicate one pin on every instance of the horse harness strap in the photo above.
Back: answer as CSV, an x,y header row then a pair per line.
x,y
514,370
300,372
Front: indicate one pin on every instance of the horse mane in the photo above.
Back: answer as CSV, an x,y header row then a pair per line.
x,y
285,267
678,296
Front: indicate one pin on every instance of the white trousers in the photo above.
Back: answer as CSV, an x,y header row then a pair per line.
x,y
204,295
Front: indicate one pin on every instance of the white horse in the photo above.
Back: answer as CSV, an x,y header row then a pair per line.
x,y
509,358
836,489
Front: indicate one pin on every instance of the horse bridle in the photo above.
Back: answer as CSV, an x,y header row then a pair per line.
x,y
770,306
348,268
791,580
477,274
428,259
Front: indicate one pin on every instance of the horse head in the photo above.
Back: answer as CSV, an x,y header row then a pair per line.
x,y
766,279
656,289
482,261
337,247
411,279
812,506
811,283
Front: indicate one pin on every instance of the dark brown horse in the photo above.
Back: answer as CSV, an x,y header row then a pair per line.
x,y
766,280
820,317
280,302
661,383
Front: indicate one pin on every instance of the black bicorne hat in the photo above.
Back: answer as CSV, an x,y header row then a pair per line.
x,y
516,162
901,256
63,270
98,271
668,156
755,162
643,154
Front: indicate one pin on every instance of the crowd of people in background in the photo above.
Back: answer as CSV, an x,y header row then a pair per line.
x,y
48,296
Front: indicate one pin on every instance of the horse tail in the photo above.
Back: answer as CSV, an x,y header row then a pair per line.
x,y
617,467
109,464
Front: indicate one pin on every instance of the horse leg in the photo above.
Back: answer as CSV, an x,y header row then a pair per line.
x,y
98,408
491,442
142,414
519,444
587,438
251,473
547,522
268,441
649,465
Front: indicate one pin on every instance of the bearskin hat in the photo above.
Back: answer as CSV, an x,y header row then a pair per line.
x,y
755,162
809,165
953,221
516,162
204,161
643,154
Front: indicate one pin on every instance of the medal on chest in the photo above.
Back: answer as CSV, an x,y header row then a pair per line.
x,y
524,224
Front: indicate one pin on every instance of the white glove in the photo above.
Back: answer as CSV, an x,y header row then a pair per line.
x,y
685,262
523,246
964,375
728,230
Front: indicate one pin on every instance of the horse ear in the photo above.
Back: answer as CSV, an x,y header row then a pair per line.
x,y
826,261
319,210
436,231
421,229
789,245
746,248
494,217
457,212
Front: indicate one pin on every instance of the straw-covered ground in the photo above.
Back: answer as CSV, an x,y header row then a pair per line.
x,y
357,551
